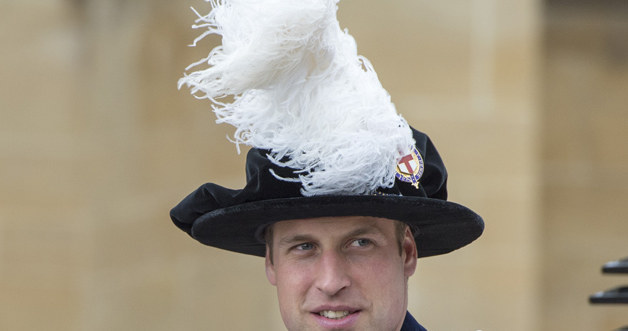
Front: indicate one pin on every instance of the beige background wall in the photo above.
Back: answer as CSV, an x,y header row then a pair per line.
x,y
525,100
585,161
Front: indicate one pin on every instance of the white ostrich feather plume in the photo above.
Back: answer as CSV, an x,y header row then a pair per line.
x,y
301,91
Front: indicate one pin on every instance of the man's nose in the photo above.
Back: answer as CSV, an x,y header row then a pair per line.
x,y
332,273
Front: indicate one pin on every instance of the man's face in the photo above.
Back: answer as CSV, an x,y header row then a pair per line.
x,y
341,273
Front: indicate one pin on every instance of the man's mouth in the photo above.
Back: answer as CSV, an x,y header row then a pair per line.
x,y
336,318
333,314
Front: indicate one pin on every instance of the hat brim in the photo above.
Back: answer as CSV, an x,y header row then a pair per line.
x,y
443,226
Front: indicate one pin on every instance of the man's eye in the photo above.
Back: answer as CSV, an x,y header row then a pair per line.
x,y
360,243
305,247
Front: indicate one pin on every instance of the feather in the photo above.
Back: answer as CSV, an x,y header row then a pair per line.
x,y
301,90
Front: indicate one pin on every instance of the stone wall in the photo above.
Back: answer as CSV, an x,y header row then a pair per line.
x,y
585,161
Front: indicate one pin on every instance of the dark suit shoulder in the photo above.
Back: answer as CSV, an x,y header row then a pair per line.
x,y
410,324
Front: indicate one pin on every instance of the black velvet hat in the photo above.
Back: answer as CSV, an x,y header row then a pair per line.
x,y
235,220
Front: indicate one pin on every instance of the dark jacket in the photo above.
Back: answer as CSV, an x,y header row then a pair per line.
x,y
410,324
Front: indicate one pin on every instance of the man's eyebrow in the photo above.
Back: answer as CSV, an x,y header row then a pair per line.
x,y
367,229
299,238
295,239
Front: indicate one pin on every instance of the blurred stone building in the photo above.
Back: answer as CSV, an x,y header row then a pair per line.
x,y
526,100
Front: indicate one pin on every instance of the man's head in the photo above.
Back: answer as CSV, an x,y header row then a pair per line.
x,y
341,273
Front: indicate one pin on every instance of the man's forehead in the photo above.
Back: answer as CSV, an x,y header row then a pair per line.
x,y
333,224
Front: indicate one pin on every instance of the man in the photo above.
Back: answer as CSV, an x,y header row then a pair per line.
x,y
339,262
342,195
341,273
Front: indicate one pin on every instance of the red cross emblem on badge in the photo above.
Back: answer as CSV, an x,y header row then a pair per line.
x,y
410,168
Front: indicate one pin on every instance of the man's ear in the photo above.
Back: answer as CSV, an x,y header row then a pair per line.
x,y
409,253
270,268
